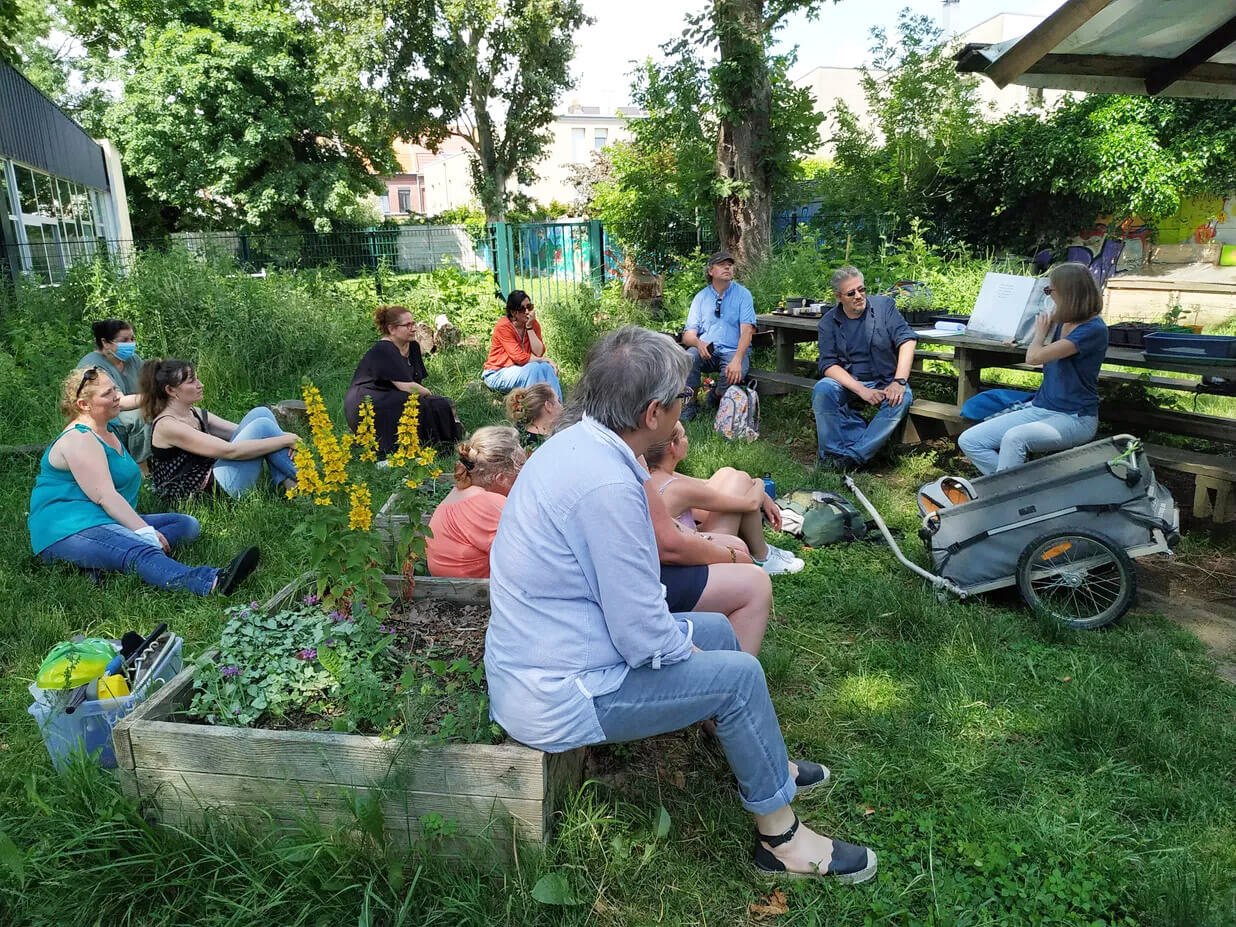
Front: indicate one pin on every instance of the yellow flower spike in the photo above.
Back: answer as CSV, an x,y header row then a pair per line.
x,y
307,479
407,434
366,432
360,517
321,500
434,473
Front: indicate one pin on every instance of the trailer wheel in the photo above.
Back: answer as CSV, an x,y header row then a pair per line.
x,y
1084,579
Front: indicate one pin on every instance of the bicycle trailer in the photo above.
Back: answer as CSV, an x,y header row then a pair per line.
x,y
1063,529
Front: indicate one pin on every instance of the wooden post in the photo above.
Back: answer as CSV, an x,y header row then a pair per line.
x,y
969,371
785,351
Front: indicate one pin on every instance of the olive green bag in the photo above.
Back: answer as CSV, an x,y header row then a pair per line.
x,y
821,518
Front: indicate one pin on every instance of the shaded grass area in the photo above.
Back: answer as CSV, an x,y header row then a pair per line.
x,y
1007,771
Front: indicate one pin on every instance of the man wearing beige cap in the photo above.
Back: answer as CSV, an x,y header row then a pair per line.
x,y
719,328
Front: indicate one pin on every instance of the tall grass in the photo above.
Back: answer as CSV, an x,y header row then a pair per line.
x,y
1007,774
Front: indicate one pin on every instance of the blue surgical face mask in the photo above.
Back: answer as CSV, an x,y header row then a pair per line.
x,y
125,350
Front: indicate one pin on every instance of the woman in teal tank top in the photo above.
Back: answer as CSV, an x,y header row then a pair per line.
x,y
82,506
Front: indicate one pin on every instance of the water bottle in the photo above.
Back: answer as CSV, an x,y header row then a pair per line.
x,y
770,487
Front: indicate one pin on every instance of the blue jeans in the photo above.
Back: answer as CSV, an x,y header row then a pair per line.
x,y
841,431
507,378
237,476
715,363
1004,440
721,682
114,548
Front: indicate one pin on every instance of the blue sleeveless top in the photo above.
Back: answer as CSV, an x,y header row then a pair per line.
x,y
59,508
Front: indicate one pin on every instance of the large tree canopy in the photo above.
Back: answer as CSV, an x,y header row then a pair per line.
x,y
488,71
664,183
246,112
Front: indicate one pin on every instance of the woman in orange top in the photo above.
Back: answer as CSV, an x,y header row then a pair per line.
x,y
517,350
465,522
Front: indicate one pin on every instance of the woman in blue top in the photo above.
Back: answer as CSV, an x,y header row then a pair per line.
x,y
82,507
1070,344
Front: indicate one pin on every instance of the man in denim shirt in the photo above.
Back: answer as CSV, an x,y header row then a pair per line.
x,y
581,648
719,329
866,351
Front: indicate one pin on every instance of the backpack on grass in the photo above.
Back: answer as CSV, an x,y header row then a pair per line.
x,y
738,415
821,518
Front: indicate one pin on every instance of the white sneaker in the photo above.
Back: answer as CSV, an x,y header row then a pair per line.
x,y
781,561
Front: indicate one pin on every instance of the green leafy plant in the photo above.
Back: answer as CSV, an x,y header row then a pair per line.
x,y
454,694
344,552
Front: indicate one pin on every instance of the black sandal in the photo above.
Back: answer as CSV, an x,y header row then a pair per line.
x,y
810,775
850,864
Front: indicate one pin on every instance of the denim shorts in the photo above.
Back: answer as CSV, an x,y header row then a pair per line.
x,y
683,586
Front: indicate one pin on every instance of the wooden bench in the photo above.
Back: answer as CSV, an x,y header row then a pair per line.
x,y
915,431
1214,478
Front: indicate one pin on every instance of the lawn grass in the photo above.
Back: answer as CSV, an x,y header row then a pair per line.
x,y
1006,771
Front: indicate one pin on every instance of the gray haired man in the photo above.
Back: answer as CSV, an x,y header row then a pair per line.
x,y
581,648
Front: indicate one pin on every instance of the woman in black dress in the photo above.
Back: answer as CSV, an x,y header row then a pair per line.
x,y
390,372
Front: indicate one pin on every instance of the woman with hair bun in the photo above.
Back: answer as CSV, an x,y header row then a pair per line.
x,y
390,372
115,353
193,451
465,522
1069,343
82,509
534,410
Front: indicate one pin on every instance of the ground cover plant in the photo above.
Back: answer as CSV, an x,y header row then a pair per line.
x,y
1007,771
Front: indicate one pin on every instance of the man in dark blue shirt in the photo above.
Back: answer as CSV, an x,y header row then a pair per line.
x,y
866,350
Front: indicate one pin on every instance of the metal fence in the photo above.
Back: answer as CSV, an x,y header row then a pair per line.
x,y
550,260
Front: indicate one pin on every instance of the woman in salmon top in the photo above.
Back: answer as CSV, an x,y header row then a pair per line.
x,y
465,522
517,350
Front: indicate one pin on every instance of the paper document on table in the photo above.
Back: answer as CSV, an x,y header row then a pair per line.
x,y
1006,307
942,330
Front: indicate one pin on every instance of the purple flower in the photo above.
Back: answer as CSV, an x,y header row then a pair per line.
x,y
310,600
253,604
307,654
337,616
230,671
235,711
329,642
381,627
350,618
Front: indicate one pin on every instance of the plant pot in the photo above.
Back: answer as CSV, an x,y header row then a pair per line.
x,y
1130,334
187,774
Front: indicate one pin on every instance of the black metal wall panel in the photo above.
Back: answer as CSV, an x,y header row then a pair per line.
x,y
34,131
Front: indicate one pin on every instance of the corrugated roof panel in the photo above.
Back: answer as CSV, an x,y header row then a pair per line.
x,y
36,132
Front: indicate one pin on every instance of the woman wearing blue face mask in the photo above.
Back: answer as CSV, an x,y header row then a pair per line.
x,y
116,355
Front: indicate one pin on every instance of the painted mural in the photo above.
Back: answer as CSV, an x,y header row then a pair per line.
x,y
1200,220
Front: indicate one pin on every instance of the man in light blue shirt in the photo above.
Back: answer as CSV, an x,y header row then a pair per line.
x,y
581,648
719,329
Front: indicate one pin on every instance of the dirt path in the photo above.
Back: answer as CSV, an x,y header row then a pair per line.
x,y
1213,623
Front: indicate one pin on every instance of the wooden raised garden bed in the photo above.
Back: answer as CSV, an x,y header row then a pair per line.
x,y
187,773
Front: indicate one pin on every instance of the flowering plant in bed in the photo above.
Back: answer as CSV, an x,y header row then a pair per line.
x,y
345,555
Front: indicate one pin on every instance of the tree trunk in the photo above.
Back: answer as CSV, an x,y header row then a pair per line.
x,y
489,179
744,215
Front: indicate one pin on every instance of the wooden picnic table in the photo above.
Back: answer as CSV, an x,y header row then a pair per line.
x,y
1215,474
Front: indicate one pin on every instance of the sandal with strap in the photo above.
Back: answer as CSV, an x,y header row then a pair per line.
x,y
850,864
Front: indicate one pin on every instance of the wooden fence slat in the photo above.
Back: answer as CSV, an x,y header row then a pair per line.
x,y
507,770
176,790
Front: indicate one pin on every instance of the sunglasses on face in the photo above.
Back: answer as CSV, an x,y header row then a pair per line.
x,y
857,291
1048,290
89,376
717,313
525,307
